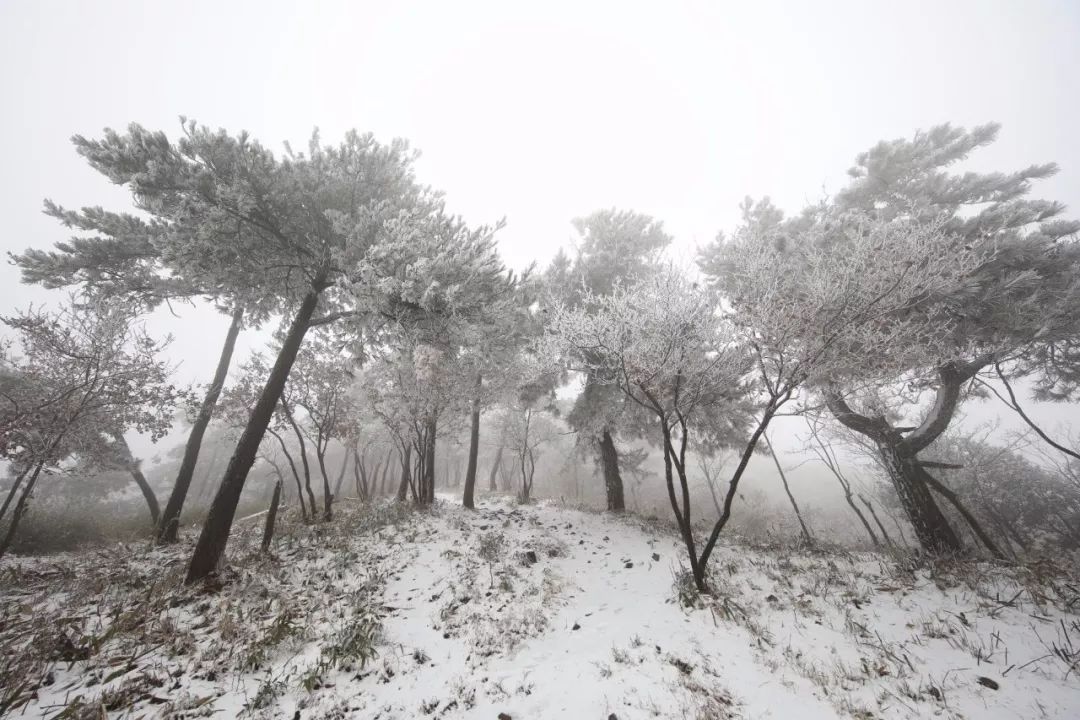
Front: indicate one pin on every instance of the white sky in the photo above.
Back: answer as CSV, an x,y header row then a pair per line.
x,y
539,112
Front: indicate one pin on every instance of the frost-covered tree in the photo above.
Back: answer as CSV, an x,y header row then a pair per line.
x,y
663,344
123,255
818,297
1011,300
436,289
614,246
70,374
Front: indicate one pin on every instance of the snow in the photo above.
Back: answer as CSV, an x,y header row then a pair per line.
x,y
576,616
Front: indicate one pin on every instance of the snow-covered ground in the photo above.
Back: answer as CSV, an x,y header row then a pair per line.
x,y
533,611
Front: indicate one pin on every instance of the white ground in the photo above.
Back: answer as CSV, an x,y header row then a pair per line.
x,y
594,629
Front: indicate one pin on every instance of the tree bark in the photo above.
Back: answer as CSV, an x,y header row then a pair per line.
x,y
932,528
170,518
899,456
609,461
271,517
210,547
474,448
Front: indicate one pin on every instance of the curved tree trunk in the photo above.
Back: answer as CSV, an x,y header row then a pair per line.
x,y
170,519
133,469
609,461
210,547
931,527
474,448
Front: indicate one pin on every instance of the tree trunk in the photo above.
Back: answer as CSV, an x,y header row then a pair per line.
x,y
132,466
13,492
406,465
170,519
341,475
613,485
474,448
296,475
210,547
383,486
932,528
271,517
862,518
20,508
783,478
492,487
877,521
287,411
428,495
953,498
148,493
328,497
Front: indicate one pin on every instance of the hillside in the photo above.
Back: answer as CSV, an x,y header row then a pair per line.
x,y
389,613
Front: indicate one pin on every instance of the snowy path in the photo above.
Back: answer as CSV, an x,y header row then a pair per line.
x,y
614,641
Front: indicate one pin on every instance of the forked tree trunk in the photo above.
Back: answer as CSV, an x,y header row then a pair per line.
x,y
474,448
170,519
932,528
271,517
609,461
210,547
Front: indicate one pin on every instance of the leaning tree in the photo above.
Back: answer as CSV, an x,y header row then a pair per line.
x,y
298,224
1012,304
815,299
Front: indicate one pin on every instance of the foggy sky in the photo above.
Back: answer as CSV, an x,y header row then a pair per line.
x,y
538,113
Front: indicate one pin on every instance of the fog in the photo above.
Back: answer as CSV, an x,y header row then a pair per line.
x,y
538,114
